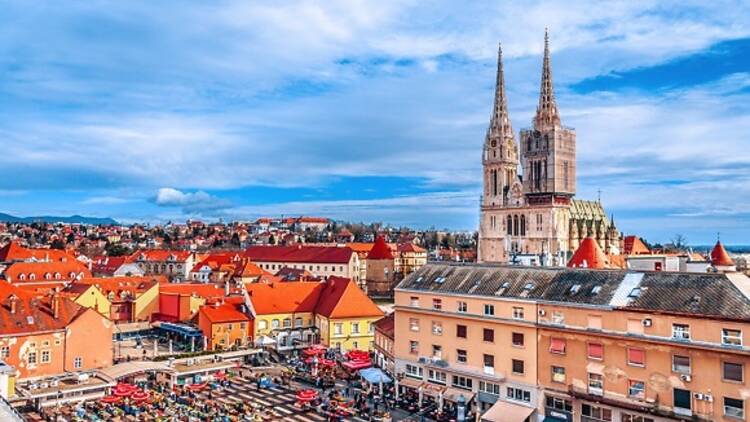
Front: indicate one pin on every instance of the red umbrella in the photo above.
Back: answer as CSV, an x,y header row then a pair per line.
x,y
220,375
197,387
140,396
110,399
307,395
357,364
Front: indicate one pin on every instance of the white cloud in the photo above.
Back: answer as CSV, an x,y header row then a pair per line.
x,y
190,202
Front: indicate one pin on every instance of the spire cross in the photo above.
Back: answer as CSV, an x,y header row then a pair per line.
x,y
546,112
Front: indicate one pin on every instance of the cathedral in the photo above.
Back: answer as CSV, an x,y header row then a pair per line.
x,y
532,217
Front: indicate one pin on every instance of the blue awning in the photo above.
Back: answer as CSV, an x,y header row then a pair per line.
x,y
181,329
375,376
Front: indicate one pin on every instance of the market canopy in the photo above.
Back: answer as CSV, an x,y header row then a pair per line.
x,y
375,376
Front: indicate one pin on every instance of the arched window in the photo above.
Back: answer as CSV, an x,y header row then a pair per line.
x,y
515,225
58,276
262,324
523,225
494,182
32,276
22,276
48,276
509,224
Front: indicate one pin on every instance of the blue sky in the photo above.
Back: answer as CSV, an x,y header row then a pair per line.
x,y
368,110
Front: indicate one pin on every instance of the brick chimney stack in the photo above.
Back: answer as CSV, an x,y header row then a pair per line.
x,y
56,305
13,300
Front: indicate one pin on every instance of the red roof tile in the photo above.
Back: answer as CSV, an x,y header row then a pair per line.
x,y
282,298
33,314
300,253
20,272
225,312
342,298
13,251
380,250
588,255
634,246
720,257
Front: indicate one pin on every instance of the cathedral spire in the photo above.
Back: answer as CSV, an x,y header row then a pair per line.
x,y
500,122
546,112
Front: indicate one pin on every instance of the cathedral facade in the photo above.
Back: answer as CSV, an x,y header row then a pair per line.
x,y
533,215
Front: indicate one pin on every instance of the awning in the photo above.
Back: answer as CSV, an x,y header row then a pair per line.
x,y
452,394
502,411
432,390
375,376
410,383
265,341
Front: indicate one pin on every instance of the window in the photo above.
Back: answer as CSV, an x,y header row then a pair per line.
x,y
78,362
636,389
437,328
681,331
517,339
558,374
517,365
414,371
460,356
731,337
462,382
596,413
437,351
462,307
518,394
489,309
338,328
297,322
733,371
557,345
413,347
681,364
287,322
596,383
559,404
275,323
437,304
517,313
461,331
31,358
682,401
627,417
414,301
636,357
734,408
413,324
489,388
4,352
45,357
488,335
355,328
371,328
436,376
596,351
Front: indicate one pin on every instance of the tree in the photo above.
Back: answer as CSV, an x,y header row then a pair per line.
x,y
679,242
116,249
57,244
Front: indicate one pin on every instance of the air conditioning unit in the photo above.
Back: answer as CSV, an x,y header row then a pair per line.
x,y
542,312
82,377
646,322
33,386
686,378
424,360
44,385
709,398
698,396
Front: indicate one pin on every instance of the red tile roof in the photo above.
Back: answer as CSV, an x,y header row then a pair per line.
x,y
380,250
107,264
387,325
588,255
131,285
410,247
300,253
13,251
206,291
342,298
159,255
720,257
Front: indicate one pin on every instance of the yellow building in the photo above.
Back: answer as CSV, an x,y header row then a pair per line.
x,y
294,315
121,299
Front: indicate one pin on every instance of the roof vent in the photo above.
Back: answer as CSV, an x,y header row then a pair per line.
x,y
596,290
30,320
440,280
635,293
506,285
528,286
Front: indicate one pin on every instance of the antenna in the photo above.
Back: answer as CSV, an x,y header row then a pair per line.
x,y
599,196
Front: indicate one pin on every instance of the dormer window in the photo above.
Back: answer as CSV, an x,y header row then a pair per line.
x,y
22,276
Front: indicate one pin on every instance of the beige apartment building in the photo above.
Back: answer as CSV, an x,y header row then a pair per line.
x,y
564,344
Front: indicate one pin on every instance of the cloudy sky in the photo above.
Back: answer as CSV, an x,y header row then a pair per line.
x,y
368,110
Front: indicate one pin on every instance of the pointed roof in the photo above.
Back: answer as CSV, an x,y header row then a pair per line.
x,y
635,246
500,126
342,298
589,255
720,257
546,112
380,250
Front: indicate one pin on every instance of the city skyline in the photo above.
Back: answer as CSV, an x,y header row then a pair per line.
x,y
369,112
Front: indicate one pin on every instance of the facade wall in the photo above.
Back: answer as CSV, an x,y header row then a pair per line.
x,y
146,304
342,335
89,337
24,352
93,298
350,270
380,276
227,334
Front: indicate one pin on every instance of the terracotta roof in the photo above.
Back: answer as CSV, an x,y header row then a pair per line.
x,y
216,260
283,298
387,325
342,298
300,253
159,255
410,247
633,245
589,255
295,274
720,257
380,250
33,314
107,264
20,272
206,291
117,285
225,312
13,251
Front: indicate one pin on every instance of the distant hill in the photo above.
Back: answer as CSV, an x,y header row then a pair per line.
x,y
73,219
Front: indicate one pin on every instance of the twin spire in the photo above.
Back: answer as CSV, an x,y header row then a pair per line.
x,y
546,112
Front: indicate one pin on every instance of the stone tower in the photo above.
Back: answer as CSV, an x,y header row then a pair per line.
x,y
548,149
500,152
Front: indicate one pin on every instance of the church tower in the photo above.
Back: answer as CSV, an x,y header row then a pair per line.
x,y
548,149
500,153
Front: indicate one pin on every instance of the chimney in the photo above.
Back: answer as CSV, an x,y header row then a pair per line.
x,y
13,299
226,288
56,305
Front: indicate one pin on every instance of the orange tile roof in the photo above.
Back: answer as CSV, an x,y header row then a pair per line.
x,y
282,298
159,255
380,250
633,245
19,272
342,298
720,257
588,255
206,291
410,247
117,285
13,251
32,313
225,312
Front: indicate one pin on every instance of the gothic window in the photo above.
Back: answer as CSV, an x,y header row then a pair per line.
x,y
523,225
515,225
528,148
510,225
494,182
